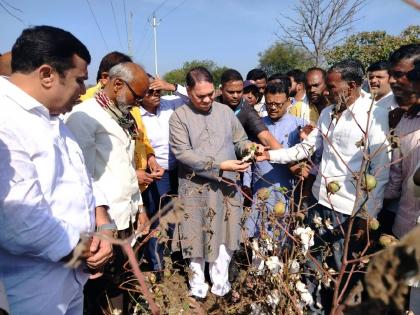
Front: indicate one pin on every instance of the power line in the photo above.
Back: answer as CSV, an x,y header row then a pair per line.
x,y
10,13
174,9
10,6
115,23
159,6
125,21
97,24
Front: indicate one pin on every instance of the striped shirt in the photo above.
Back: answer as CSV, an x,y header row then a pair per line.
x,y
405,160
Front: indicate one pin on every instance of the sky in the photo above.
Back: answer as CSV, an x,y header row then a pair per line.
x,y
229,32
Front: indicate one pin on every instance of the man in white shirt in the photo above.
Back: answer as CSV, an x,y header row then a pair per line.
x,y
379,85
40,165
339,132
155,113
106,131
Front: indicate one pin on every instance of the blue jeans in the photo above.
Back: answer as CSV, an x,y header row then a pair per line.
x,y
154,199
325,239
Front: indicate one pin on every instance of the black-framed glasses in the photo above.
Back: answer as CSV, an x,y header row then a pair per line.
x,y
137,98
152,92
397,74
275,105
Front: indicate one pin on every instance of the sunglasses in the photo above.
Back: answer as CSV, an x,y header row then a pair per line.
x,y
137,98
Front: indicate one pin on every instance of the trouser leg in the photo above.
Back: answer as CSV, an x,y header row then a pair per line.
x,y
197,281
219,272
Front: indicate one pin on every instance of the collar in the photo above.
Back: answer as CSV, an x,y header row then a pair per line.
x,y
144,112
21,98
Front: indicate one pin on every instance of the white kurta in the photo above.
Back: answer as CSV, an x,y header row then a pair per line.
x,y
46,201
109,155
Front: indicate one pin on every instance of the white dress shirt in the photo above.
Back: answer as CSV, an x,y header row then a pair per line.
x,y
342,158
109,155
387,102
157,127
46,201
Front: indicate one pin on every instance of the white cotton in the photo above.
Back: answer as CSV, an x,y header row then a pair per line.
x,y
274,264
306,236
294,266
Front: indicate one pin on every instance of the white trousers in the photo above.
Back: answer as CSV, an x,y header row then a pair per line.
x,y
219,274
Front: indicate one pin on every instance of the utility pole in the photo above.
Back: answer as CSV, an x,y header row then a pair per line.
x,y
130,35
155,25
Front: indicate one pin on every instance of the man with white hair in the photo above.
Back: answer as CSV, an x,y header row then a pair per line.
x,y
106,131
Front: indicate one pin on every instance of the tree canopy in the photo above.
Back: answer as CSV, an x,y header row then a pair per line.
x,y
178,75
282,57
369,47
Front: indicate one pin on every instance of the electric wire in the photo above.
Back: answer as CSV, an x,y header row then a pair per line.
x,y
97,24
2,4
116,25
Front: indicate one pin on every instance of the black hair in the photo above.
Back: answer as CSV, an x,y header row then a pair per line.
x,y
230,75
297,75
350,70
47,45
414,75
279,77
277,87
254,90
109,60
324,73
404,52
379,66
256,74
198,74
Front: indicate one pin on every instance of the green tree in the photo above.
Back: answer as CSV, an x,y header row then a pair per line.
x,y
369,47
178,75
282,57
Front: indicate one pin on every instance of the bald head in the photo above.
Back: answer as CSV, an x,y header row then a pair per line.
x,y
128,82
6,64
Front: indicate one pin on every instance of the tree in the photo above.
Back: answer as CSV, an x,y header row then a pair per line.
x,y
282,57
319,24
369,47
178,75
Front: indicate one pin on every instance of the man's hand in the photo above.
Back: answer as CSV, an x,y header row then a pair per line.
x,y
143,225
101,250
265,156
234,166
305,131
155,169
159,84
300,170
143,177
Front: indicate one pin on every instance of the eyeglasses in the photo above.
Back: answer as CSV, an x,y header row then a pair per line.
x,y
152,92
396,74
137,98
275,105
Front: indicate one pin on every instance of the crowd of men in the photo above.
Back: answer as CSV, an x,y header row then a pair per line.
x,y
79,168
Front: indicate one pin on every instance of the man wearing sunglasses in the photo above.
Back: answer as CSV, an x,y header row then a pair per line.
x,y
155,113
106,132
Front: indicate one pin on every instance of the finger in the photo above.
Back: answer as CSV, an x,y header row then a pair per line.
x,y
94,246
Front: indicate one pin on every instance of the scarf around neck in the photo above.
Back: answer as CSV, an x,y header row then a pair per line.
x,y
124,120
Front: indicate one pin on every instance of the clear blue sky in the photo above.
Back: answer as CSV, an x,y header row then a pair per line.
x,y
229,32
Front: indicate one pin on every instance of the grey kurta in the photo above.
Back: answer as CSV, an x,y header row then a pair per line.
x,y
213,209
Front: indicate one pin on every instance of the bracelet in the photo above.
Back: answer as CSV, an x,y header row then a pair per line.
x,y
107,227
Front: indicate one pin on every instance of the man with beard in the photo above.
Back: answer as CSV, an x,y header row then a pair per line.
x,y
339,130
315,92
106,132
406,155
299,100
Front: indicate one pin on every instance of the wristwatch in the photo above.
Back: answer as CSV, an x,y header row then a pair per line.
x,y
108,227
